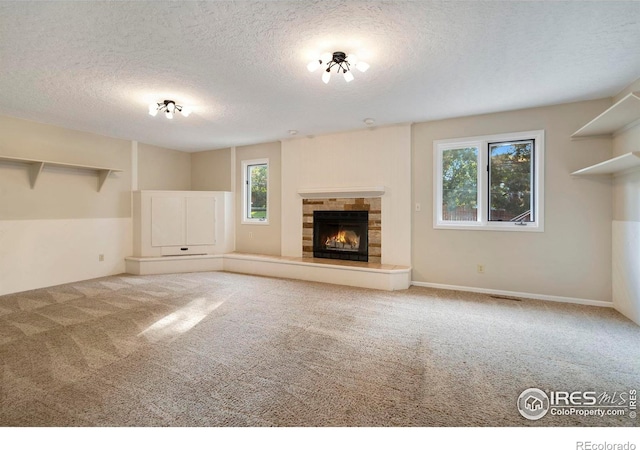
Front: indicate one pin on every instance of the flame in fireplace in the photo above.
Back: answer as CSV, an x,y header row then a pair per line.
x,y
343,239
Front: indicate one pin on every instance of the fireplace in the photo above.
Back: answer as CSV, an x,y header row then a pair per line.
x,y
371,205
341,235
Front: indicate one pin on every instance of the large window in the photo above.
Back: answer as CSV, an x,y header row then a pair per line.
x,y
256,191
490,182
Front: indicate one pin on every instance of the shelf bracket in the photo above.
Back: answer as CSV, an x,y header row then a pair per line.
x,y
34,172
102,177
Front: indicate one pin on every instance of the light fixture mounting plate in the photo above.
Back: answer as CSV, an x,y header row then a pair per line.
x,y
339,57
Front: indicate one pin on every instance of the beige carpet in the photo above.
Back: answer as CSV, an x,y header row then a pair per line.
x,y
222,349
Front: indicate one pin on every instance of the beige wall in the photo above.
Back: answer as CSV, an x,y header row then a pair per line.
x,y
212,170
260,238
363,158
62,193
571,258
163,169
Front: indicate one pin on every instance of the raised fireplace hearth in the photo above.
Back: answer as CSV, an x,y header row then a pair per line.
x,y
341,235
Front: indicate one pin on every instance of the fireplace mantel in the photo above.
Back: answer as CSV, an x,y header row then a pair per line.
x,y
350,192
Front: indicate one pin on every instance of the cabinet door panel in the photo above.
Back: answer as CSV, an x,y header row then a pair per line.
x,y
167,221
201,220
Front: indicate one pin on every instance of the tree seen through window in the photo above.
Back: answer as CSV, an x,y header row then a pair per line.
x,y
258,191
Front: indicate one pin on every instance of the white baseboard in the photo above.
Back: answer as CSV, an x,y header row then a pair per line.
x,y
550,298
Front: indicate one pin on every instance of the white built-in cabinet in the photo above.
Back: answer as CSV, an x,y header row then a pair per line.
x,y
170,223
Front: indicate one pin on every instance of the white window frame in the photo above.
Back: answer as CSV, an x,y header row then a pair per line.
x,y
246,202
482,142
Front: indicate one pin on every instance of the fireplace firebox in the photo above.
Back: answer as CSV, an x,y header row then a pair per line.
x,y
341,235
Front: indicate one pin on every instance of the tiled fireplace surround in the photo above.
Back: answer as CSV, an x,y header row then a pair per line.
x,y
373,205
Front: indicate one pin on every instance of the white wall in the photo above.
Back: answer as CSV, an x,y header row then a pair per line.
x,y
626,268
570,259
626,225
41,253
364,158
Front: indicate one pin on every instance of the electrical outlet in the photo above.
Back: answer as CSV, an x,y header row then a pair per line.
x,y
418,207
480,268
101,257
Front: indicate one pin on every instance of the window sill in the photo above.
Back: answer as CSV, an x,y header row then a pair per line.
x,y
530,228
254,222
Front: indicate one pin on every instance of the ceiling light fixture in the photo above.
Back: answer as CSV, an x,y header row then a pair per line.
x,y
168,107
341,61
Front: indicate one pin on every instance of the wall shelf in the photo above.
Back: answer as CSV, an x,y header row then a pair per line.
x,y
622,115
622,163
353,192
37,165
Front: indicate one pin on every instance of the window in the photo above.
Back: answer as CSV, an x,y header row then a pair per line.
x,y
490,182
256,191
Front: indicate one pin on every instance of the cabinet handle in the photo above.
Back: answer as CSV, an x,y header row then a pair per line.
x,y
184,248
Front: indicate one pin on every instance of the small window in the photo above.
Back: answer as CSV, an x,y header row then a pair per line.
x,y
460,184
490,182
511,181
256,191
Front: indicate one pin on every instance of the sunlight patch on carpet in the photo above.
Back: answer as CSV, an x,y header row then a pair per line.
x,y
181,320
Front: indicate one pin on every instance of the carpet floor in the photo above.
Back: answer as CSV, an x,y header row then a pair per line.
x,y
223,349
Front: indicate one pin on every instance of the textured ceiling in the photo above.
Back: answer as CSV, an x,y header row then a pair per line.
x,y
241,65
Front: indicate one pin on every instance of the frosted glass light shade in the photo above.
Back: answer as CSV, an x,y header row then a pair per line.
x,y
153,109
313,65
185,111
348,76
326,57
362,66
169,114
326,77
